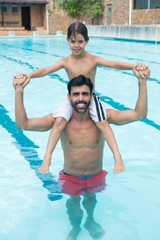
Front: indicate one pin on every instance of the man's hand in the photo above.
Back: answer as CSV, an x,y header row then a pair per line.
x,y
24,80
21,78
141,74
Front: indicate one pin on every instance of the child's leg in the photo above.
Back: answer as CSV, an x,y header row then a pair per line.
x,y
62,115
99,117
111,141
54,136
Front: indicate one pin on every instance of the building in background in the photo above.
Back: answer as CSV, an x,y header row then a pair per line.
x,y
131,12
49,17
116,12
24,15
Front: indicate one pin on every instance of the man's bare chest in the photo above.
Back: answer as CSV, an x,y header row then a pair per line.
x,y
82,136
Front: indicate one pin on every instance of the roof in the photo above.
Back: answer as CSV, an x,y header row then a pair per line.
x,y
24,1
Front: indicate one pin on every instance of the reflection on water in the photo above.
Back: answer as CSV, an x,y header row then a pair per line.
x,y
75,214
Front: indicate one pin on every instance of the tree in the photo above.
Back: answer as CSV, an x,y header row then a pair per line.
x,y
94,8
91,8
74,7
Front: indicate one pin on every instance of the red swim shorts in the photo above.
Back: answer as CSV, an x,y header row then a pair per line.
x,y
74,186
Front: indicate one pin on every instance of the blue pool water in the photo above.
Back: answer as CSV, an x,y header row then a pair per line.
x,y
31,205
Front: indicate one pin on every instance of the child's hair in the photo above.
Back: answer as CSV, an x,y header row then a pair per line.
x,y
79,81
78,28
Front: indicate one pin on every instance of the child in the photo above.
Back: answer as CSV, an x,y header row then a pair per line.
x,y
80,62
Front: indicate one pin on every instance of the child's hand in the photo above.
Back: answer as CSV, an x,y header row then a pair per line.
x,y
118,165
140,66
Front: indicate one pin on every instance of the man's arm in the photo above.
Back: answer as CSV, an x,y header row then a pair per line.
x,y
22,121
141,108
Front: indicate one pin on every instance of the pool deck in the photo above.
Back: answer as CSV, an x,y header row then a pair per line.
x,y
20,31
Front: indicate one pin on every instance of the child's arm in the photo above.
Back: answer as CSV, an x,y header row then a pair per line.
x,y
20,78
111,141
47,70
119,65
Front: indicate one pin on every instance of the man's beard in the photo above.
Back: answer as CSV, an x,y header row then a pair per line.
x,y
80,110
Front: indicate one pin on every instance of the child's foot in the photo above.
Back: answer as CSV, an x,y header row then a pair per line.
x,y
95,229
44,168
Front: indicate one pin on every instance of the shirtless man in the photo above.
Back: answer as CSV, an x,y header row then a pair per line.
x,y
81,139
83,145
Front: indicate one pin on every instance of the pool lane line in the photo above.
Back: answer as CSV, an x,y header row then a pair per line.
x,y
27,149
19,61
32,50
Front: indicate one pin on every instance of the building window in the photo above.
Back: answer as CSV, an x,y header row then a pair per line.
x,y
14,8
140,4
146,4
4,8
154,3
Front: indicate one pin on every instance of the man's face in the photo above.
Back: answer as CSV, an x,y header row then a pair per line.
x,y
80,98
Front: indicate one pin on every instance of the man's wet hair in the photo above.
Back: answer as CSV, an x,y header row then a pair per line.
x,y
79,81
77,28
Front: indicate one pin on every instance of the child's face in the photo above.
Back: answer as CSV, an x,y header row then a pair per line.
x,y
77,44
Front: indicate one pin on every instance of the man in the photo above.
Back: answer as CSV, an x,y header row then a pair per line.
x,y
82,144
81,139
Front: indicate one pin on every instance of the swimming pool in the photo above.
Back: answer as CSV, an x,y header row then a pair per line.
x,y
31,205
